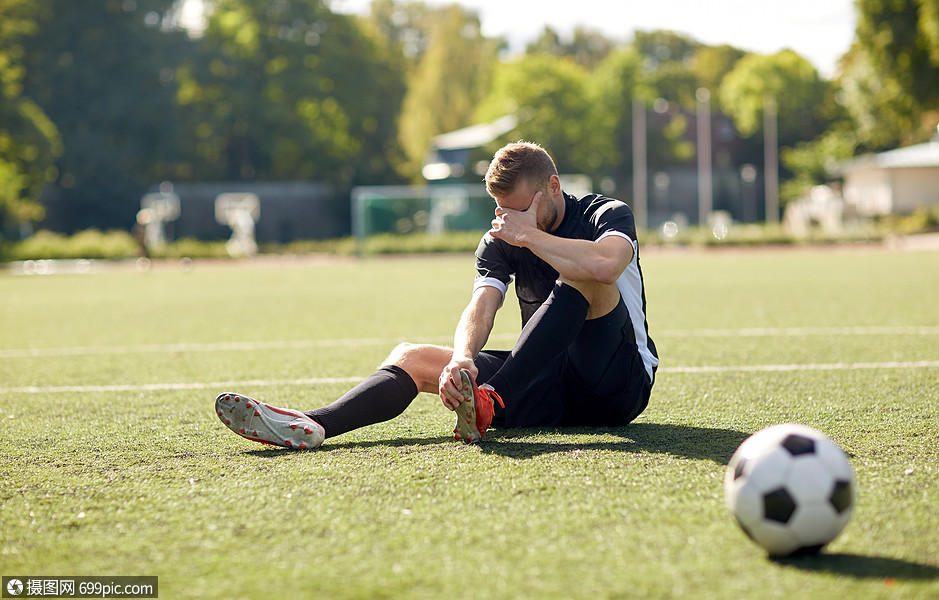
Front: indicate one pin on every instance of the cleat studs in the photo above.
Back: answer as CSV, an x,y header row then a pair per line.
x,y
237,399
293,425
248,405
255,434
302,446
257,413
228,421
242,431
219,413
289,443
307,430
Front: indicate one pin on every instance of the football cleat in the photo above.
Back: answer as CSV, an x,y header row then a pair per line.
x,y
266,424
474,414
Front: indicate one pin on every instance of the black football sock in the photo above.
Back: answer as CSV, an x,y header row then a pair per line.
x,y
553,327
382,396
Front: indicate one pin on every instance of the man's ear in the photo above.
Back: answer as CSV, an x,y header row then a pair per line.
x,y
554,185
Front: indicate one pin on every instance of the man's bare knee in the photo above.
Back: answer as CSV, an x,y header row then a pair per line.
x,y
601,297
423,362
401,353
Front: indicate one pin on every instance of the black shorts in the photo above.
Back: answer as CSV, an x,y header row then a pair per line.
x,y
600,380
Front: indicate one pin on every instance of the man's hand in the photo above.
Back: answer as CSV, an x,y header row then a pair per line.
x,y
512,226
450,381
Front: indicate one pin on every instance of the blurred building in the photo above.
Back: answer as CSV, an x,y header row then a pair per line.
x,y
455,155
894,182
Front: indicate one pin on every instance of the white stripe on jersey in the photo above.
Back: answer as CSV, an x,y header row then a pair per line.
x,y
491,282
630,288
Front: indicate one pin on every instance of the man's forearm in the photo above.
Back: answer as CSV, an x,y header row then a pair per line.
x,y
475,325
581,260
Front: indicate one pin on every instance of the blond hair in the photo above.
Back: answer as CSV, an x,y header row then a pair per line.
x,y
517,162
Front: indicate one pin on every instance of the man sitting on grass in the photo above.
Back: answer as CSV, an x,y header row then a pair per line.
x,y
584,356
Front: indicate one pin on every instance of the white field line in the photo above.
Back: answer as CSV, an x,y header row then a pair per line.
x,y
919,364
796,331
221,386
359,342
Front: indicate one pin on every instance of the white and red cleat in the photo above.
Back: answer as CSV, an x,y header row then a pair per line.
x,y
474,414
267,424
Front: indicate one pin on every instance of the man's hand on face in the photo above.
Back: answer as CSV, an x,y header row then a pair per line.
x,y
511,226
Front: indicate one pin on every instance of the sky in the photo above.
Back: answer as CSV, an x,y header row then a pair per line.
x,y
819,30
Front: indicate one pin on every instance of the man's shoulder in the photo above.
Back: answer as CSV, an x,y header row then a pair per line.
x,y
597,203
597,213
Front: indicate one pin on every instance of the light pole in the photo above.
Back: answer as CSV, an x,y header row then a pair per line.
x,y
770,156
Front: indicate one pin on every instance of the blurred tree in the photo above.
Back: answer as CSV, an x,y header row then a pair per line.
x,y
586,47
663,46
104,74
612,87
901,37
883,114
810,162
890,77
550,96
29,142
405,27
712,63
669,87
288,90
450,75
804,100
806,108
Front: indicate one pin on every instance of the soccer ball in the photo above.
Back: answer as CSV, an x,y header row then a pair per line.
x,y
790,488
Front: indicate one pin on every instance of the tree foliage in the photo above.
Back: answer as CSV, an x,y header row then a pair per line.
x,y
800,95
612,87
586,47
450,76
29,141
901,37
107,97
711,65
890,77
103,73
287,90
550,96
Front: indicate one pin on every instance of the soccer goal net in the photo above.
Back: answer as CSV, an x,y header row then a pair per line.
x,y
432,209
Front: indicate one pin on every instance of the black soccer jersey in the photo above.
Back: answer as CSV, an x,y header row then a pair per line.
x,y
592,217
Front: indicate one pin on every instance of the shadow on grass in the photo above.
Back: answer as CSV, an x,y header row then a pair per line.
x,y
862,567
333,445
703,443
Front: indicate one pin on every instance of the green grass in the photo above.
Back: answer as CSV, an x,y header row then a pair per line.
x,y
110,468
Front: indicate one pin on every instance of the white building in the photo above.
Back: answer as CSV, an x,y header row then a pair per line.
x,y
894,182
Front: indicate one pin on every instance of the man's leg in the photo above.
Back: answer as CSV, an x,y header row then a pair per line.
x,y
550,331
382,396
411,368
605,377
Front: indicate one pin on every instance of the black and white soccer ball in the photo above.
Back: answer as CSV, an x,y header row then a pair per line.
x,y
790,488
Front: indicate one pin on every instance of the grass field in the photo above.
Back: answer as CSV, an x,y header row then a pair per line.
x,y
113,461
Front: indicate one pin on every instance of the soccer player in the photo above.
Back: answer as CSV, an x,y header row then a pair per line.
x,y
584,356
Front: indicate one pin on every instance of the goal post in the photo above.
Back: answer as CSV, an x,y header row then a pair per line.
x,y
432,209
